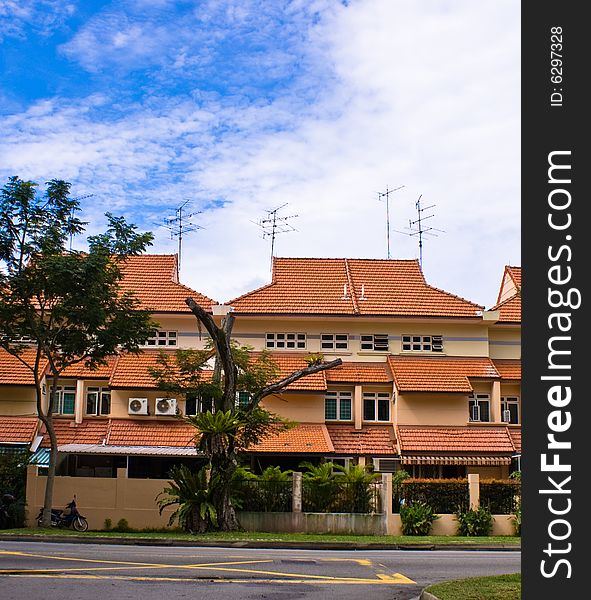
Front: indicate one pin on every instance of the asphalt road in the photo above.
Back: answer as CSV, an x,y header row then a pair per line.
x,y
54,571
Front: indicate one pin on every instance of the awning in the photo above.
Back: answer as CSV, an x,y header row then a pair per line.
x,y
456,460
40,457
128,450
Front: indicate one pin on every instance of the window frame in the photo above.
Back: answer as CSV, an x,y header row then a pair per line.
x,y
507,401
374,343
476,400
376,397
102,393
58,401
334,342
169,335
299,340
339,396
422,341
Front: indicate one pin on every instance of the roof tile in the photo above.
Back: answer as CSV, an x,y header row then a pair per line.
x,y
439,374
304,438
360,372
128,432
91,431
17,430
14,372
373,287
509,368
377,439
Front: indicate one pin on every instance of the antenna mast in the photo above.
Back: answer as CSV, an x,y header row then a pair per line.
x,y
272,225
386,195
178,226
416,227
72,214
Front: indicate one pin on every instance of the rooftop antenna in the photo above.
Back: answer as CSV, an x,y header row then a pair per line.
x,y
272,225
179,225
416,227
78,198
386,195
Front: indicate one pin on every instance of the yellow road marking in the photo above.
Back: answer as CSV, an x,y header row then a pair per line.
x,y
304,579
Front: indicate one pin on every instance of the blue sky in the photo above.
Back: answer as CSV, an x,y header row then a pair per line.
x,y
243,105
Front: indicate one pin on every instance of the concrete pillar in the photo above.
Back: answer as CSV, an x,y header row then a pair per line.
x,y
495,403
474,490
79,401
296,491
386,499
358,406
361,461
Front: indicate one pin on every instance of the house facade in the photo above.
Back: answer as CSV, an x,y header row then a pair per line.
x,y
430,382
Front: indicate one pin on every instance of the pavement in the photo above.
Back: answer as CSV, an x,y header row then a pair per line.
x,y
294,545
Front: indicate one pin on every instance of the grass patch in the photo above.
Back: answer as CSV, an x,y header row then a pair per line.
x,y
237,536
498,587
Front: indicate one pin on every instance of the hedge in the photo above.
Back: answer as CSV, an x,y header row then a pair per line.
x,y
500,497
444,496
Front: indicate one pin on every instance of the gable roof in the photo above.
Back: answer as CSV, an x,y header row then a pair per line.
x,y
17,430
344,286
509,298
439,374
375,439
14,372
509,310
154,281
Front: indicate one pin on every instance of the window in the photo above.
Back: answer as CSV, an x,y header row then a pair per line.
x,y
334,341
510,409
242,399
98,401
338,406
377,342
376,406
195,404
65,397
286,341
163,338
422,343
479,407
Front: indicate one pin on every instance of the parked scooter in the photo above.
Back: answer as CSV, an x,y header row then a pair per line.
x,y
68,517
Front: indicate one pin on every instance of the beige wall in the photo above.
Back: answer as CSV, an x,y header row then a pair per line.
x,y
250,331
301,407
186,328
431,409
504,342
17,400
101,498
448,525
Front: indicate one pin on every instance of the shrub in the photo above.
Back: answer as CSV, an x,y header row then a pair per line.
x,y
500,496
417,518
445,496
517,519
122,526
108,524
474,522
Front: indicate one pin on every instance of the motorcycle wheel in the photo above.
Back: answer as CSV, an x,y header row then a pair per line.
x,y
80,524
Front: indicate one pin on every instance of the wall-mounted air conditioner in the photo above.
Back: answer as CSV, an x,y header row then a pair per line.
x,y
138,406
166,406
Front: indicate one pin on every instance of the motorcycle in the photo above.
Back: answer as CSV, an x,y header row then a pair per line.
x,y
68,517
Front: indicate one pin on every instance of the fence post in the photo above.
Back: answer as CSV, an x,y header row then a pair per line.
x,y
474,490
296,492
388,518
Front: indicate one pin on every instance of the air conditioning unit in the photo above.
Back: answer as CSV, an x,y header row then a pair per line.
x,y
437,343
165,406
386,465
138,406
507,416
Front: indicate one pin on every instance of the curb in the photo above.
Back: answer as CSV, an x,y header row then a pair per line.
x,y
427,596
253,544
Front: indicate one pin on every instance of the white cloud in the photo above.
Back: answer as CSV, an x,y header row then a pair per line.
x,y
421,94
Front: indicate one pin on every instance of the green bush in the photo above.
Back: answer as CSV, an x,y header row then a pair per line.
x,y
445,496
122,526
417,518
500,496
474,522
13,477
108,524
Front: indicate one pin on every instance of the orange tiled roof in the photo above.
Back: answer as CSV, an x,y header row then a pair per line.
x,y
515,274
454,439
128,432
92,431
153,280
17,430
304,438
81,371
360,372
14,372
509,368
515,433
439,374
509,310
288,363
377,439
374,287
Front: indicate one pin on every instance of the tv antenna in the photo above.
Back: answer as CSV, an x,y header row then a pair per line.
x,y
386,195
272,225
179,225
78,198
417,228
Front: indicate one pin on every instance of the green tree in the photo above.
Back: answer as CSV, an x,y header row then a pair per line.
x,y
228,429
68,303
